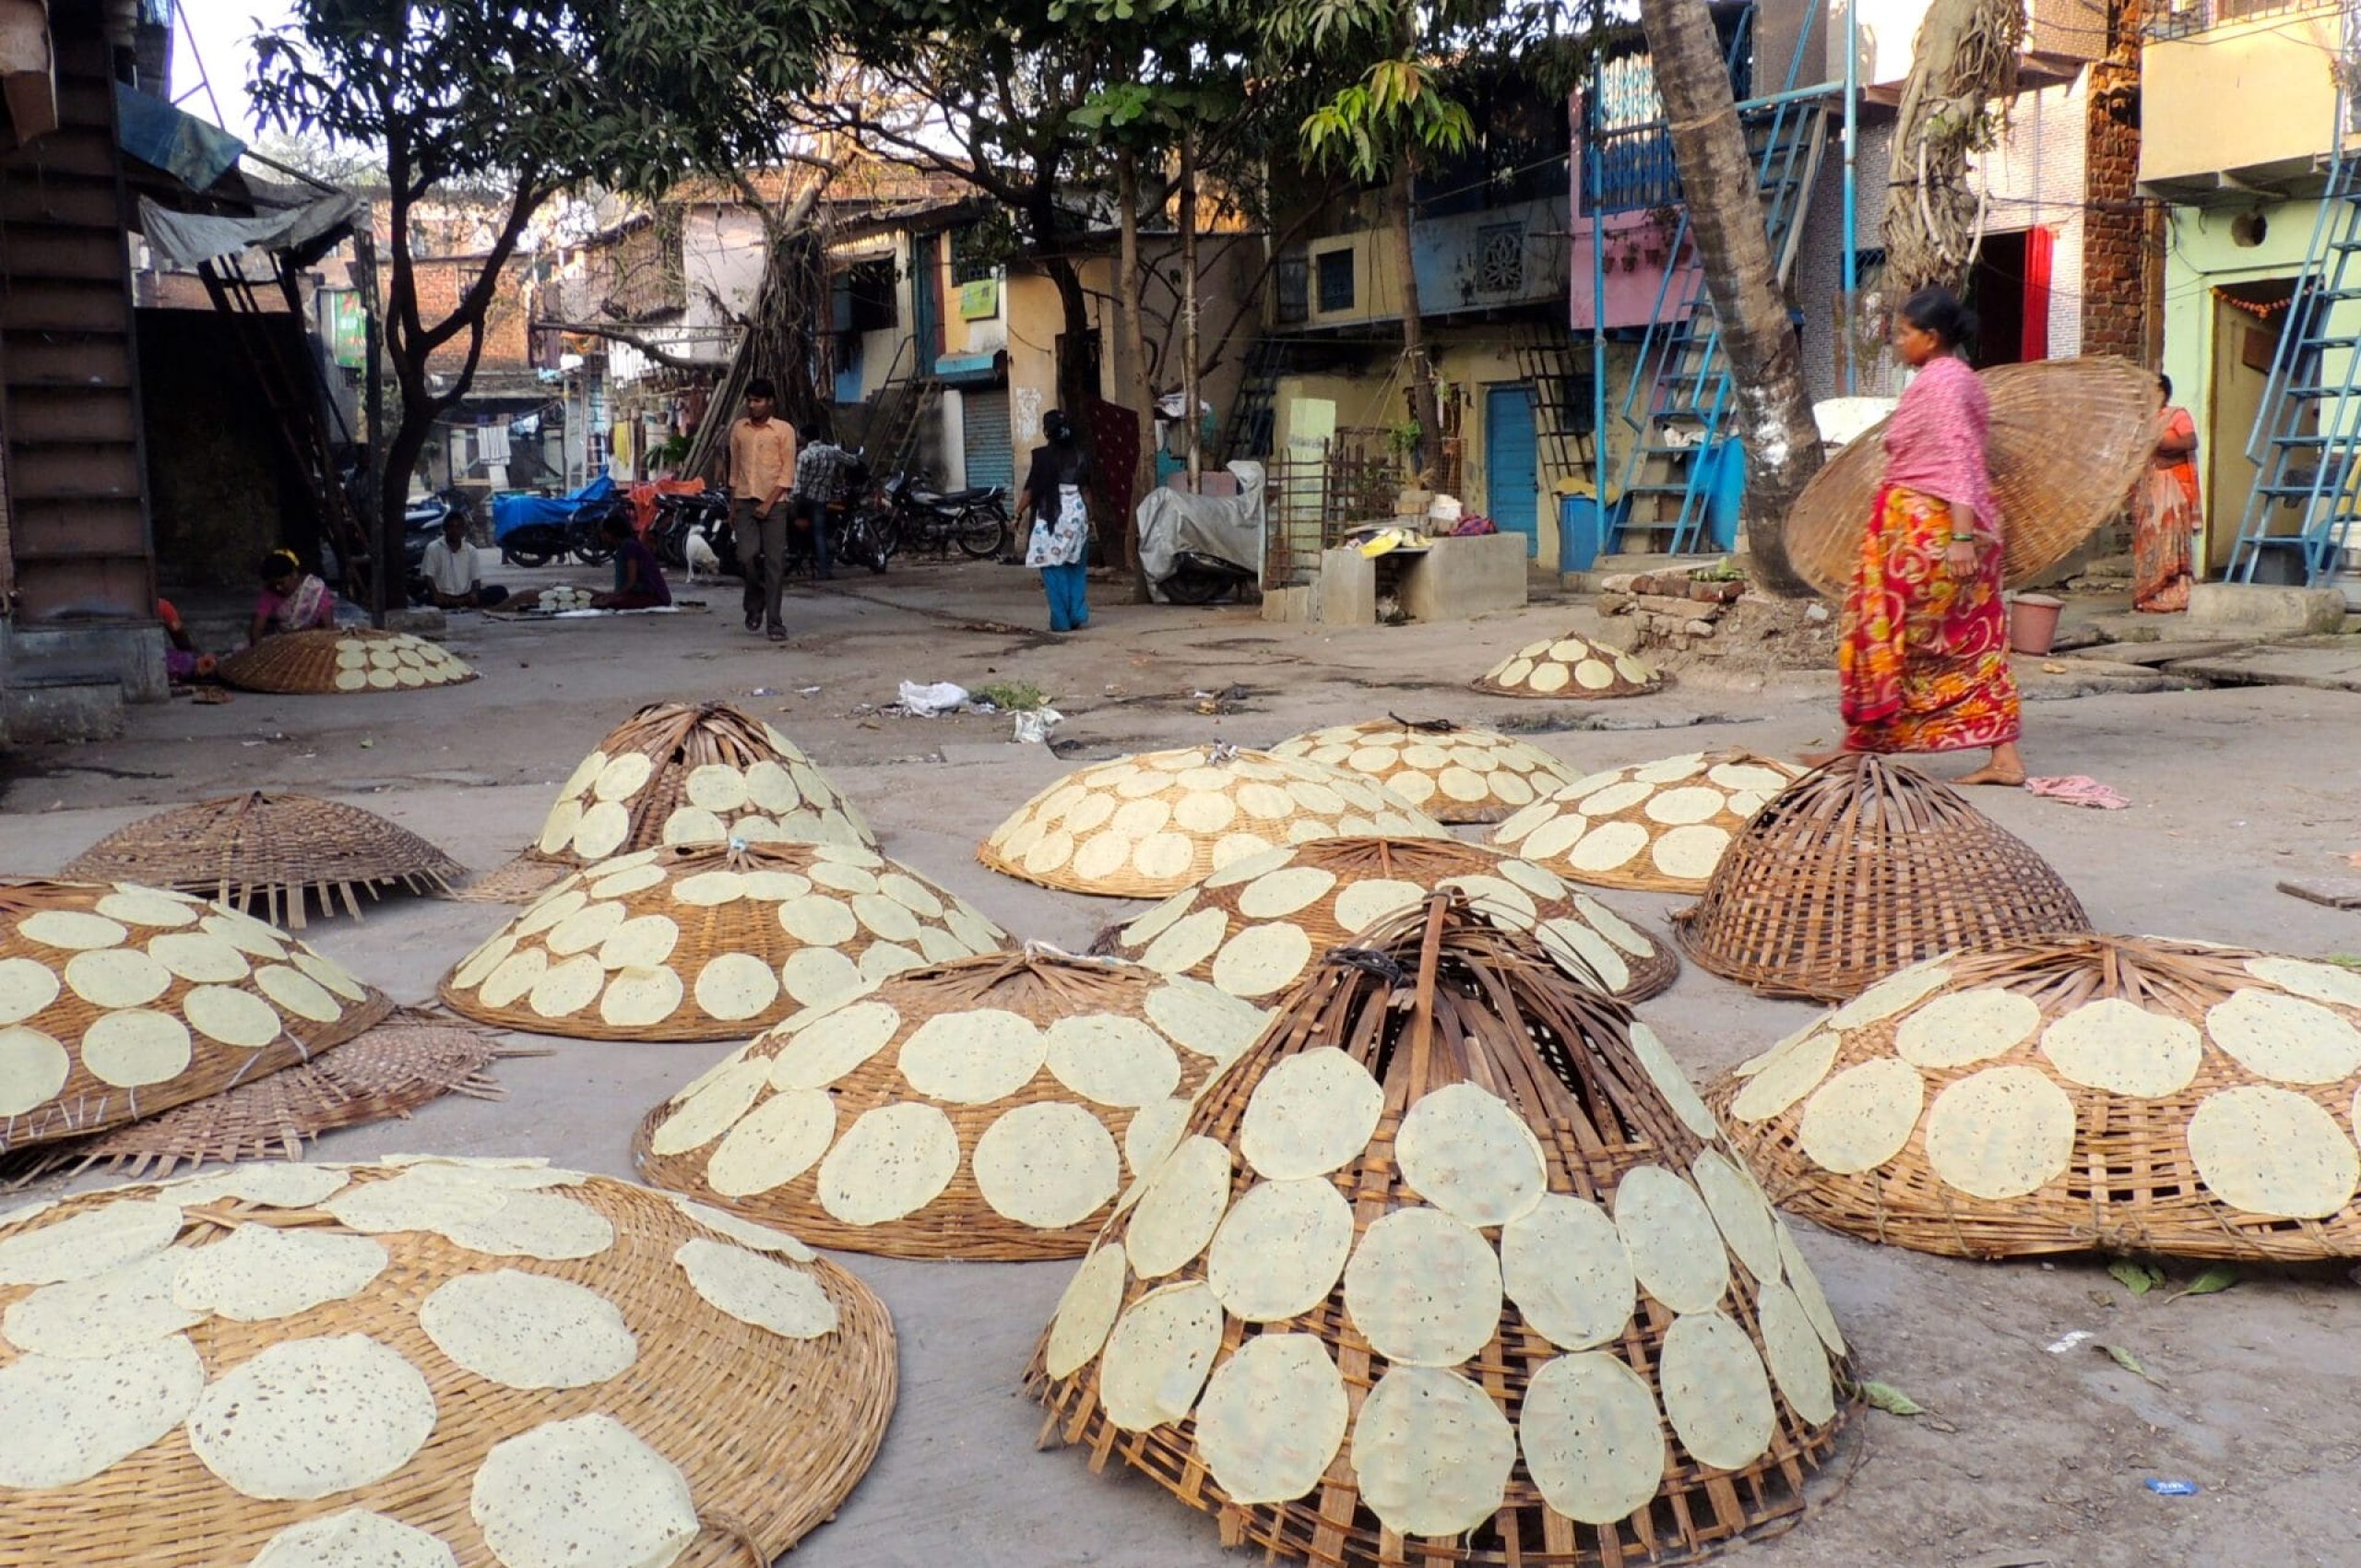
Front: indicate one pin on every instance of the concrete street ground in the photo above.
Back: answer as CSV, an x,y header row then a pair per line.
x,y
2025,1457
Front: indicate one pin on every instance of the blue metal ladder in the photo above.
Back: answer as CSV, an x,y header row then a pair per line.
x,y
2309,427
1681,392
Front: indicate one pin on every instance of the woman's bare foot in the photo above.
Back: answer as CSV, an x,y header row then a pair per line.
x,y
2005,769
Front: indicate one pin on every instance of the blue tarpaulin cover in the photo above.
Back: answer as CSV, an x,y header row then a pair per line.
x,y
182,145
510,513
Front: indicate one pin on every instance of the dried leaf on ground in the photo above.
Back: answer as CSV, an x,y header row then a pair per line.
x,y
1891,1400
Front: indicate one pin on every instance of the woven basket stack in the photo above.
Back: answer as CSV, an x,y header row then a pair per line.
x,y
2068,440
1861,868
1657,826
1571,668
1254,929
1452,773
270,854
1452,1266
1149,825
690,774
123,1002
710,942
425,1362
342,660
988,1108
2064,1094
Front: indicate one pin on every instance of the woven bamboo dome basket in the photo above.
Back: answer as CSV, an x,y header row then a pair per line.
x,y
1147,825
1256,928
429,1362
2068,440
270,855
389,1071
2072,1093
1452,1266
1858,869
985,1108
710,942
694,774
118,1002
1569,668
342,660
1452,773
1655,826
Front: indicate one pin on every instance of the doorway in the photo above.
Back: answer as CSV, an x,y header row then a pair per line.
x,y
2247,318
2010,290
1511,462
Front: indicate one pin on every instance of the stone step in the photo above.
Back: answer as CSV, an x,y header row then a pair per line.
x,y
64,710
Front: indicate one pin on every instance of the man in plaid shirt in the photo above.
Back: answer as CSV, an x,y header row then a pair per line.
x,y
823,478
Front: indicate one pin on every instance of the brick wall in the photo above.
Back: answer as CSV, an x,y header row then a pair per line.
x,y
2121,266
507,344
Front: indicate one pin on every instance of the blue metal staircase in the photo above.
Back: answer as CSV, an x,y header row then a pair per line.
x,y
2307,430
1682,397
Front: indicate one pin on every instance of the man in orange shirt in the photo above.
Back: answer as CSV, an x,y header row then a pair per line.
x,y
762,471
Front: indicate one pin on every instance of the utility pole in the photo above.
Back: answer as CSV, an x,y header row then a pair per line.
x,y
388,535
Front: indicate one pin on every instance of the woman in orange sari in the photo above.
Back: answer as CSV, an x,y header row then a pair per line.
x,y
1923,661
2162,541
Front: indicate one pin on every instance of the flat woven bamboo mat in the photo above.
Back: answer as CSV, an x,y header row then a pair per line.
x,y
2072,1094
1333,1318
342,662
270,855
734,1439
1858,869
1084,1068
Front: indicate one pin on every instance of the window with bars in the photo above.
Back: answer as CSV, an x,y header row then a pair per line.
x,y
1336,270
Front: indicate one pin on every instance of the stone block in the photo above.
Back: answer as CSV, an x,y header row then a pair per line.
x,y
1456,579
80,711
1289,606
1347,588
2256,610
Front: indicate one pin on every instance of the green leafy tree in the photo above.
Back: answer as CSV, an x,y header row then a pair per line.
x,y
533,98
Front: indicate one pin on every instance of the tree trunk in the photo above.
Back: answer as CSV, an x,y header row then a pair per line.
x,y
1774,426
1191,378
1964,55
1424,408
1133,390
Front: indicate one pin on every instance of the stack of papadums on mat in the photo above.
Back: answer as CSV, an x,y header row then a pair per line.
x,y
2072,1093
271,855
988,1109
1449,771
422,1365
710,942
692,775
342,660
1254,929
1861,868
118,1002
1571,668
1452,1265
1654,827
1149,825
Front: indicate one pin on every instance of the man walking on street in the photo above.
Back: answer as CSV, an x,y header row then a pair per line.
x,y
762,470
822,469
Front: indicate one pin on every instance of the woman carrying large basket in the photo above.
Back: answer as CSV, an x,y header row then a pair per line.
x,y
1923,661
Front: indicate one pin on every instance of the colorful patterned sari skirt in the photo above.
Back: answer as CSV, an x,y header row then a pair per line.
x,y
1923,661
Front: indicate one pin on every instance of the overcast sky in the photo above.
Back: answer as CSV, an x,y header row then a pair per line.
x,y
220,30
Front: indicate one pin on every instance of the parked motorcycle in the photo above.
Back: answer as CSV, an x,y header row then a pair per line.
x,y
976,520
1200,579
862,529
681,514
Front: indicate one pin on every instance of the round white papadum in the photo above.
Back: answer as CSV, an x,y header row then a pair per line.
x,y
1311,1114
527,1330
1591,1437
260,1272
1432,1451
1085,1311
354,1539
1676,1248
2123,1047
1272,1418
89,1243
1049,1164
128,1306
1180,1208
67,1420
1717,1393
1424,1289
756,1289
1463,1150
582,1494
1156,1358
1281,1249
311,1418
895,1160
1565,1266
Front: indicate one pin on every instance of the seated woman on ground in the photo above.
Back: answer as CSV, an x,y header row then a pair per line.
x,y
291,599
639,580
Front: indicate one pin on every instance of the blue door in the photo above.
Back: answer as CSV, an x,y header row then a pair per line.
x,y
1511,463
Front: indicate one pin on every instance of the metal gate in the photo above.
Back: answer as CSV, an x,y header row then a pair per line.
x,y
984,418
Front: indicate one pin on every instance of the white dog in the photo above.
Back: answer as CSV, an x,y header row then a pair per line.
x,y
702,558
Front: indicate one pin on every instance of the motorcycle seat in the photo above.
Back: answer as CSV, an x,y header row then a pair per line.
x,y
957,497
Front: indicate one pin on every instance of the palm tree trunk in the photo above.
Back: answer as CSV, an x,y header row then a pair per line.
x,y
1775,426
1424,408
1133,388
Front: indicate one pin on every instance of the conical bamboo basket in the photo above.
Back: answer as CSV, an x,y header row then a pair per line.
x,y
1858,869
681,774
1258,927
121,1001
526,1360
1571,669
1453,1268
2072,1094
985,1109
342,662
1655,826
2068,440
1452,773
1148,825
270,854
710,944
